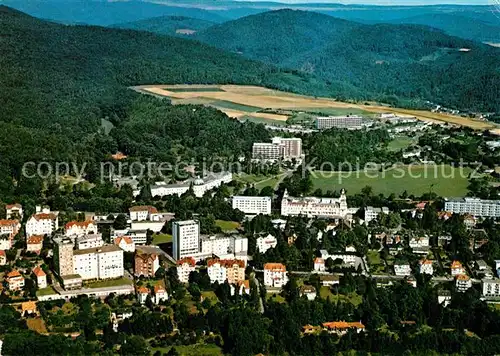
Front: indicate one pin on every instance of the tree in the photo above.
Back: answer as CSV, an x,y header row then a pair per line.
x,y
120,222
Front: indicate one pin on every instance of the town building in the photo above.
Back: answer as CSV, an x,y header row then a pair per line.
x,y
352,122
139,237
199,185
146,264
491,287
125,243
142,294
78,228
347,258
89,241
72,281
160,293
419,245
243,287
308,291
185,238
473,206
279,149
315,207
63,256
184,268
221,270
252,205
3,258
264,243
457,268
141,213
14,211
275,275
319,264
329,280
426,267
444,297
15,281
342,327
6,242
462,282
372,213
34,243
402,268
43,222
41,277
9,227
99,263
28,308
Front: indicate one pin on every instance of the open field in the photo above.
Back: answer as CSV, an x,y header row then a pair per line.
x,y
400,143
191,350
243,98
37,325
162,239
442,180
227,225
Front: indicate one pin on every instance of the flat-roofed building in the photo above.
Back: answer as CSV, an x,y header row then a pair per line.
x,y
473,206
279,149
312,206
252,205
99,263
185,238
352,122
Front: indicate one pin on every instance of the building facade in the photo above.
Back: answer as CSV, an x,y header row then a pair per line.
x,y
340,122
63,256
491,287
146,264
264,243
185,238
79,228
315,207
275,275
184,268
252,205
43,222
221,270
104,262
279,149
473,206
200,185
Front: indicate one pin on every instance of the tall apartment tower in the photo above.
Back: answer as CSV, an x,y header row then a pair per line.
x,y
185,238
63,256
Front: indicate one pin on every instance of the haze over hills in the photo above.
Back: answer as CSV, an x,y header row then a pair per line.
x,y
168,25
409,61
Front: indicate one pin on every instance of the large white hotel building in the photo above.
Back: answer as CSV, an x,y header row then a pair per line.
x,y
473,206
200,185
185,238
279,149
312,206
352,122
252,205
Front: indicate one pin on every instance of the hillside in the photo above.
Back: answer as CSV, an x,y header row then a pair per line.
x,y
400,64
168,25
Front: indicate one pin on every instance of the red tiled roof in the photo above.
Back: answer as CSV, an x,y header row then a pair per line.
x,y
319,260
463,277
189,260
37,271
343,325
5,222
118,156
456,265
2,253
34,240
226,263
16,205
275,267
425,262
45,216
143,290
159,288
245,283
151,209
83,224
128,240
14,273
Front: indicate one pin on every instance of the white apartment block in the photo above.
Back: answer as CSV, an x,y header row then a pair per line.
x,y
347,258
15,280
41,277
252,205
372,213
341,122
463,282
9,227
221,270
185,238
457,268
315,207
200,185
279,149
43,222
402,269
418,242
275,275
184,268
491,287
14,211
5,242
78,228
426,267
473,206
141,213
125,243
99,263
89,241
265,243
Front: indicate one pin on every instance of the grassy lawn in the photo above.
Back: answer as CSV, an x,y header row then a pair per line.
x,y
210,295
161,239
190,90
191,350
400,143
375,262
227,225
261,120
335,111
352,298
224,104
45,291
37,325
275,298
109,283
444,180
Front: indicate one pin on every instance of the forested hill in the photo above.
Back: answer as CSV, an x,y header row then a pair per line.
x,y
168,25
392,61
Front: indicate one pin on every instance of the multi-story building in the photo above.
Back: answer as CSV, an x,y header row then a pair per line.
x,y
9,227
141,213
457,268
142,294
63,256
319,264
160,293
315,207
125,243
473,206
185,238
275,275
372,213
79,228
34,243
3,258
252,205
279,149
43,222
462,282
491,287
146,264
41,277
89,241
264,243
99,263
352,122
426,267
14,211
184,268
221,270
6,241
200,185
402,269
15,280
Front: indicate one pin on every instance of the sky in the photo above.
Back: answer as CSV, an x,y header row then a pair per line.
x,y
391,2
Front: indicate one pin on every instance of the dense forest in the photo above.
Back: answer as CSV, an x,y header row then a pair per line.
x,y
405,62
167,25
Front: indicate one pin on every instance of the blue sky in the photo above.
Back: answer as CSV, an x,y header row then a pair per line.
x,y
391,2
